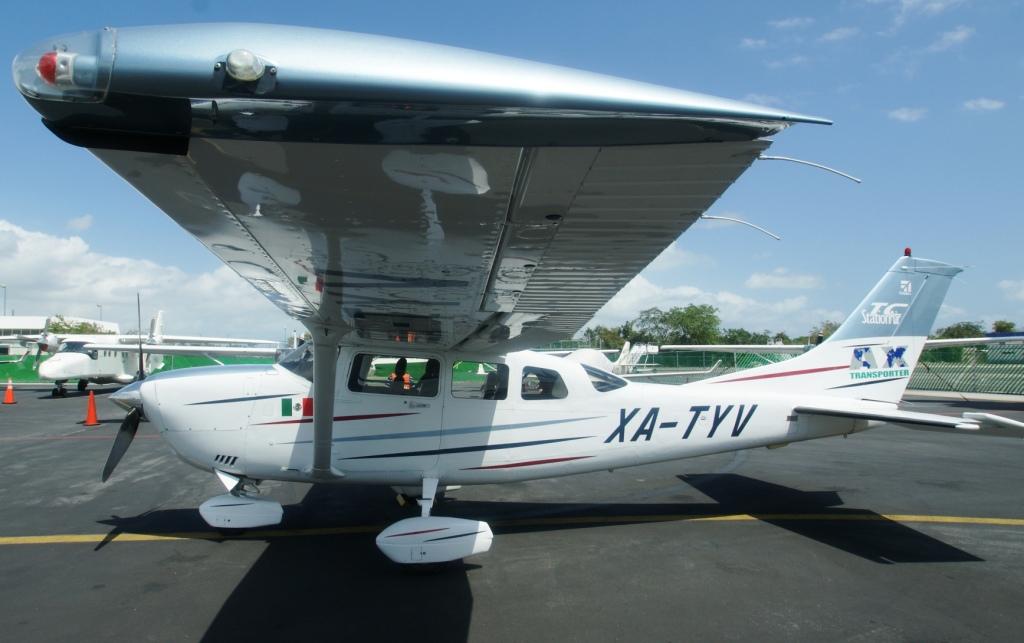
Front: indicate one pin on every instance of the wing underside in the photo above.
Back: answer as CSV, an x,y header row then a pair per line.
x,y
467,247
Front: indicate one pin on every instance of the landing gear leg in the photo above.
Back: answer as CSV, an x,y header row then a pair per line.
x,y
426,501
82,384
59,390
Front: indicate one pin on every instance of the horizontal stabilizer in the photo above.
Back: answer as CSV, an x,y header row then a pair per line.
x,y
982,423
909,419
997,424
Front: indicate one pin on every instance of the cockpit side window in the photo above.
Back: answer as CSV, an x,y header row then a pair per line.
x,y
603,381
479,380
542,384
72,347
394,374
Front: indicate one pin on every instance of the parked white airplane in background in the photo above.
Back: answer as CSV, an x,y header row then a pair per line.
x,y
107,359
403,199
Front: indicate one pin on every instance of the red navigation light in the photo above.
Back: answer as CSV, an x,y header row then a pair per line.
x,y
47,67
906,251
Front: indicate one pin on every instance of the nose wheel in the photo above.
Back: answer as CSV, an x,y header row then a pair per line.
x,y
59,390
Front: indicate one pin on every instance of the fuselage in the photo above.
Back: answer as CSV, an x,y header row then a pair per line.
x,y
73,362
553,417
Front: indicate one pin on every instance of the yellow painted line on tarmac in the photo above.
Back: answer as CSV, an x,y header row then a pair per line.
x,y
129,537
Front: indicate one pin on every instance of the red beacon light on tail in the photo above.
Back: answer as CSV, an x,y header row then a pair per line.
x,y
906,251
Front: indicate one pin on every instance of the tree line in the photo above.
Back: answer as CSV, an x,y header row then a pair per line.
x,y
700,324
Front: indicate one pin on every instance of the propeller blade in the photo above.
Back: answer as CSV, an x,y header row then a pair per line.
x,y
122,441
39,351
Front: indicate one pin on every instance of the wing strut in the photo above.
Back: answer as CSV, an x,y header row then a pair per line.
x,y
325,368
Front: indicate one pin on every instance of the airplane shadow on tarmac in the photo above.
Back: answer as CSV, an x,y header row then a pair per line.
x,y
341,586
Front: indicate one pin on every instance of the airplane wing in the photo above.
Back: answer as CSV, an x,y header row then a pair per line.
x,y
396,190
986,423
201,340
164,349
971,341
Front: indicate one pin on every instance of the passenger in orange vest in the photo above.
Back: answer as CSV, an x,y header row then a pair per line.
x,y
400,376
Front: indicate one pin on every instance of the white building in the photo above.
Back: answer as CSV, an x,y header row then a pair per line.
x,y
11,326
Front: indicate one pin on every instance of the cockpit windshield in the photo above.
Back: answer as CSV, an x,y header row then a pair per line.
x,y
299,361
73,347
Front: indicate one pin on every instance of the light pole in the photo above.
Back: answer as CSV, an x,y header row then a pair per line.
x,y
100,306
4,286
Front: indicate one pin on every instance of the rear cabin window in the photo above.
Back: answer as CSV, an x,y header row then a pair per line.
x,y
394,375
603,381
542,384
479,380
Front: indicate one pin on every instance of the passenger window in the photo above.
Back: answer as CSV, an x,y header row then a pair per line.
x,y
394,374
542,384
603,381
479,380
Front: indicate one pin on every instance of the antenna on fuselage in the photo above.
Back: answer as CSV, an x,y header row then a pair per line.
x,y
138,310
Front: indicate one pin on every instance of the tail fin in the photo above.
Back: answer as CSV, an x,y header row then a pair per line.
x,y
156,328
872,354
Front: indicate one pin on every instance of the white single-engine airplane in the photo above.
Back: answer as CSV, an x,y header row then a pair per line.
x,y
403,199
106,359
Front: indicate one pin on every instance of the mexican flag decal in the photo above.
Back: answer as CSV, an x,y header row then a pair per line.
x,y
295,405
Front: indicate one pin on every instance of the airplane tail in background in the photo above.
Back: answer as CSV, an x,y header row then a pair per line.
x,y
156,328
873,353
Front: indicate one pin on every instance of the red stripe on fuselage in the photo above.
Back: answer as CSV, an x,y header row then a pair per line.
x,y
529,463
339,418
421,531
806,371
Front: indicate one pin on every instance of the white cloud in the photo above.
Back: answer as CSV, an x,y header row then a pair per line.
x,y
796,22
911,8
950,39
782,278
984,105
906,10
753,43
792,315
674,257
763,99
83,222
840,33
1012,289
787,62
47,274
908,114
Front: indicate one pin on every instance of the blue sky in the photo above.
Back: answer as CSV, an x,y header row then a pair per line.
x,y
926,95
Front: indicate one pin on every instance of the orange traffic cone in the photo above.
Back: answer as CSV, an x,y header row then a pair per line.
x,y
90,413
9,393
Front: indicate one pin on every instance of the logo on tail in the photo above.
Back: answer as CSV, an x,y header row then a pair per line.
x,y
876,362
883,313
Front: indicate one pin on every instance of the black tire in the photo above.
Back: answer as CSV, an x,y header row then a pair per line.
x,y
82,384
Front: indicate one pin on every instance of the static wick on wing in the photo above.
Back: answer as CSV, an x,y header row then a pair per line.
x,y
766,157
746,223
